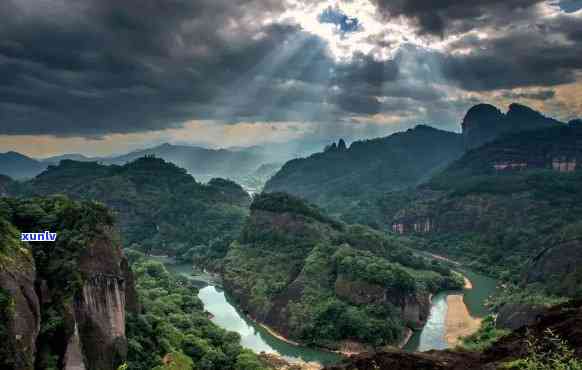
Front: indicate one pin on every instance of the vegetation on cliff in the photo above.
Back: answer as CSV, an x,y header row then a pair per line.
x,y
56,264
321,282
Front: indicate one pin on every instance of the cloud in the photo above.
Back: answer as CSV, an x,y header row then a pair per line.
x,y
337,17
451,16
536,95
94,68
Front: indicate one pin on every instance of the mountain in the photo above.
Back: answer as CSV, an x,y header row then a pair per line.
x,y
510,208
19,166
202,163
340,175
484,123
160,207
324,283
72,157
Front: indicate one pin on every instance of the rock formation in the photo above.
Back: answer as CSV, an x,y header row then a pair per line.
x,y
484,123
80,306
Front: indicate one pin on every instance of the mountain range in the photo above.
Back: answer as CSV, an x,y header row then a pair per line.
x,y
340,177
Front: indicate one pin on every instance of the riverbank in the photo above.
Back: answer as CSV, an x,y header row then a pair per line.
x,y
347,349
458,322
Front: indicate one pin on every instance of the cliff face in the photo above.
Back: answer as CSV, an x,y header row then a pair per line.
x,y
558,265
414,307
77,292
19,310
99,307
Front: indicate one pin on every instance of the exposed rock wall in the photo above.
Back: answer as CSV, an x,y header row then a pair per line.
x,y
559,265
94,321
414,308
20,313
99,308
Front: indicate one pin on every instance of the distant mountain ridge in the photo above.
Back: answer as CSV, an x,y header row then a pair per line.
x,y
340,176
160,207
18,166
371,166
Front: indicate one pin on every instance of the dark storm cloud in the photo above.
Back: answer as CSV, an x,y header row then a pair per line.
x,y
93,67
453,16
545,54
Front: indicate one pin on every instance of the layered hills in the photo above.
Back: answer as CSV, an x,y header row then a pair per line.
x,y
511,203
159,206
343,175
324,283
340,177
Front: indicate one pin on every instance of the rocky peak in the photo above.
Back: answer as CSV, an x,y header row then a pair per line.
x,y
484,123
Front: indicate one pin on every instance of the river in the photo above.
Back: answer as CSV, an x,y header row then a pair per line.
x,y
253,336
432,335
256,338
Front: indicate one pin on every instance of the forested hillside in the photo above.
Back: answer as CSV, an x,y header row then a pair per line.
x,y
336,178
325,283
160,208
75,303
511,208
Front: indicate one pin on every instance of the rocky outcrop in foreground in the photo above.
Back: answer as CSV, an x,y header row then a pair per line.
x,y
564,321
62,304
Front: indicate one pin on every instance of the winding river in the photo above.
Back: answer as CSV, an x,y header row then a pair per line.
x,y
256,338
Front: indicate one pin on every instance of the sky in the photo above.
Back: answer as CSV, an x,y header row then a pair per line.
x,y
106,76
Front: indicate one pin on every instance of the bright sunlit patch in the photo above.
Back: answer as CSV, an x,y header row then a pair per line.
x,y
372,35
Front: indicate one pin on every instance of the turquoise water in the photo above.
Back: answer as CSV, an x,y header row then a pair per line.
x,y
432,336
253,336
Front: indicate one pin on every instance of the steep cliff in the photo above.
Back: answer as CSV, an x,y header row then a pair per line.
x,y
19,304
63,302
319,282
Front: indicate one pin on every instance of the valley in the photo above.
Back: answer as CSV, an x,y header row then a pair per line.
x,y
453,250
257,338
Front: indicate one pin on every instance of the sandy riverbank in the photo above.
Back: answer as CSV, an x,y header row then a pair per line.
x,y
459,322
275,334
348,348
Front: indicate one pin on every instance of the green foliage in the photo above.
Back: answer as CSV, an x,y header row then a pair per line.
x,y
6,315
174,332
298,255
547,353
283,202
484,337
160,208
76,224
337,179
